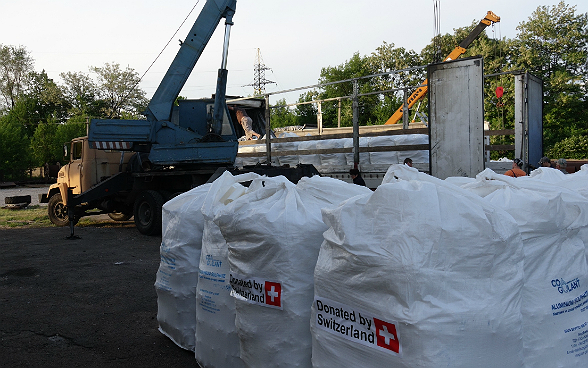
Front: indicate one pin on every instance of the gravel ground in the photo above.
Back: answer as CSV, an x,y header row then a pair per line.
x,y
32,190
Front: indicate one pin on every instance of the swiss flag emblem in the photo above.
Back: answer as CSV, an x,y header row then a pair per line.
x,y
273,293
386,336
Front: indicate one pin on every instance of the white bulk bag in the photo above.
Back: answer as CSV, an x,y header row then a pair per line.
x,y
555,292
418,274
291,160
309,159
274,235
332,159
383,158
241,161
177,276
364,157
547,174
217,344
417,156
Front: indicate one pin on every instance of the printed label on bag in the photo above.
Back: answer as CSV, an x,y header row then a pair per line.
x,y
212,283
356,325
569,307
256,290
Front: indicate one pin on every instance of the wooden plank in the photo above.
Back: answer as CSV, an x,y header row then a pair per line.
x,y
500,147
499,132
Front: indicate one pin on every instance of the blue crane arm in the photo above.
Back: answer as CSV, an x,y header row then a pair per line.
x,y
160,107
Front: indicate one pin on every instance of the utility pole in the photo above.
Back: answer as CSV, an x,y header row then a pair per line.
x,y
259,80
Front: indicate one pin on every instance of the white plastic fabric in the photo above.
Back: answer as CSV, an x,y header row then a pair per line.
x,y
332,159
435,272
364,157
308,159
417,156
547,174
291,160
246,161
383,158
177,276
555,292
274,234
217,343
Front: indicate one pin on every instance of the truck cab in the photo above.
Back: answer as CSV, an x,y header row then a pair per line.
x,y
86,168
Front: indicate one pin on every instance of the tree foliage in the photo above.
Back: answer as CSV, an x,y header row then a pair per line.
x,y
14,153
16,64
48,115
118,90
553,45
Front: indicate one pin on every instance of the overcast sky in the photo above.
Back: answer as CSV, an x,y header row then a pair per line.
x,y
296,38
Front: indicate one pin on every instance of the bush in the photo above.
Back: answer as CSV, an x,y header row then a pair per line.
x,y
575,148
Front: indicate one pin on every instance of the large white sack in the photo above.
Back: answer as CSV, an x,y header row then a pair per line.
x,y
547,174
577,181
217,344
246,161
274,235
177,276
555,292
417,156
291,160
383,158
312,159
364,157
418,274
332,159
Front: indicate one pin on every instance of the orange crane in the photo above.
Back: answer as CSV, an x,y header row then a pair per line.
x,y
457,52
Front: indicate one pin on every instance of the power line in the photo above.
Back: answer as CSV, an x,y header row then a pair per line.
x,y
259,80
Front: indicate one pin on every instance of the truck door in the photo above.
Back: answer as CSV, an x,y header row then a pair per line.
x,y
75,167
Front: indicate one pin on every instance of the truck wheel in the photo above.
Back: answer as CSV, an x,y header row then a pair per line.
x,y
147,212
57,211
119,216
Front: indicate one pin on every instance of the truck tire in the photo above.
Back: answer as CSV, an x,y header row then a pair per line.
x,y
18,199
57,211
119,216
147,212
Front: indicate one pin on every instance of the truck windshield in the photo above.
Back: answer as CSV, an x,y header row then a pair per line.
x,y
76,151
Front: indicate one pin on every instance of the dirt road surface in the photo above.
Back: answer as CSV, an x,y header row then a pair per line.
x,y
82,303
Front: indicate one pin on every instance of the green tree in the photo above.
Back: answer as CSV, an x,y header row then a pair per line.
x,y
16,65
282,115
306,113
119,90
43,102
82,93
354,68
553,45
575,147
14,149
43,148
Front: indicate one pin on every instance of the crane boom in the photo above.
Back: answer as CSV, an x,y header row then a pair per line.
x,y
457,52
196,132
190,51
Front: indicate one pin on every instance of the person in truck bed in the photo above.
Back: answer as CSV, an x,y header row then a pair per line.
x,y
516,169
246,122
